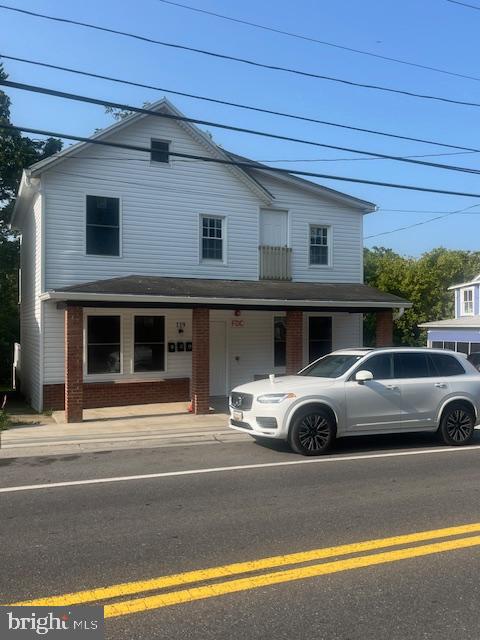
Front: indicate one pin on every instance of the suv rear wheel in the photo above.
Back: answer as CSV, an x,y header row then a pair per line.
x,y
312,432
457,426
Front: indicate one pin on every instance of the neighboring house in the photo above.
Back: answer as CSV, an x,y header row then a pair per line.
x,y
149,278
461,333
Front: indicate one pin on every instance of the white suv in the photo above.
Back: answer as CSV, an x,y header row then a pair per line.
x,y
363,392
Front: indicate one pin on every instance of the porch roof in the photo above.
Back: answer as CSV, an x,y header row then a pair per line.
x,y
138,290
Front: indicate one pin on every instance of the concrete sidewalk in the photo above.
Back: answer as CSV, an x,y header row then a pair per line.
x,y
130,427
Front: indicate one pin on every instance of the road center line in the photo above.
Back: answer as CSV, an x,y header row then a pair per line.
x,y
223,571
254,582
244,467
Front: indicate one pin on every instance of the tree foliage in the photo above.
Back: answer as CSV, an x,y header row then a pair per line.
x,y
424,281
16,152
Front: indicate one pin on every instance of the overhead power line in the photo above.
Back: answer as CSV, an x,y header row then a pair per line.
x,y
236,104
419,224
247,61
300,36
168,116
465,4
238,163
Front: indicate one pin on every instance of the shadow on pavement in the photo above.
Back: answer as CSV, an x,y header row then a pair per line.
x,y
371,444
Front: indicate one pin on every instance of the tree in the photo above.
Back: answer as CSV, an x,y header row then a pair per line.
x,y
423,281
16,152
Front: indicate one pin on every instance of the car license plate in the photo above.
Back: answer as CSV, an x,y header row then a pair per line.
x,y
238,415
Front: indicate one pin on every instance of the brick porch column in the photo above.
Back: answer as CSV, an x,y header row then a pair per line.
x,y
294,340
74,364
200,360
384,329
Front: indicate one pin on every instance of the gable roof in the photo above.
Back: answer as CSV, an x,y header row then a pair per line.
x,y
252,178
475,280
162,105
308,185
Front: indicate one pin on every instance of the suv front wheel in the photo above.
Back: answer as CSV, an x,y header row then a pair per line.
x,y
457,426
312,432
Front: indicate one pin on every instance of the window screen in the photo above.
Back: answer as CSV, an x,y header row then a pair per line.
x,y
103,226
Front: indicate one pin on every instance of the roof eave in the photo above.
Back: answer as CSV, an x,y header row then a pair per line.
x,y
72,296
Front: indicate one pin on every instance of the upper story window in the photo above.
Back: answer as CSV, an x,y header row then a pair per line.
x,y
319,245
212,238
467,302
103,226
160,151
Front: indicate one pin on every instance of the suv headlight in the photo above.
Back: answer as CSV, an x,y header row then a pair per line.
x,y
274,398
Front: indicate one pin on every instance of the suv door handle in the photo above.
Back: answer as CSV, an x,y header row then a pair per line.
x,y
440,385
392,387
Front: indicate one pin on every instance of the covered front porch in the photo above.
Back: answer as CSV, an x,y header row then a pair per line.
x,y
203,336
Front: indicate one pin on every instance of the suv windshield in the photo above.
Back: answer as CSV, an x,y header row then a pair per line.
x,y
332,366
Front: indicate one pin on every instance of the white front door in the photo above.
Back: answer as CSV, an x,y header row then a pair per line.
x,y
273,228
218,358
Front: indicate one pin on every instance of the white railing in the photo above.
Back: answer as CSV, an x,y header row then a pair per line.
x,y
275,263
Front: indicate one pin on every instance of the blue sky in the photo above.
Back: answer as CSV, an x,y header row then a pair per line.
x,y
432,32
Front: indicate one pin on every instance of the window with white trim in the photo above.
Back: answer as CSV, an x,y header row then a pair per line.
x,y
103,344
212,231
149,349
467,302
319,245
103,226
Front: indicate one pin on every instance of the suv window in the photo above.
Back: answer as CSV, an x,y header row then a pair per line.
x,y
445,365
380,366
411,365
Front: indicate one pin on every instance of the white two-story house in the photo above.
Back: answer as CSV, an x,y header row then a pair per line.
x,y
461,333
150,277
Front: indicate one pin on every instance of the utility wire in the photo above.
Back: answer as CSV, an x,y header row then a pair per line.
x,y
123,158
177,118
301,36
237,163
419,224
465,4
253,63
236,104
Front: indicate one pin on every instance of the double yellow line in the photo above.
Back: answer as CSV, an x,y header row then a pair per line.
x,y
165,599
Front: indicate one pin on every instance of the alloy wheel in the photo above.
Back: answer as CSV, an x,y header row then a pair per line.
x,y
459,425
314,432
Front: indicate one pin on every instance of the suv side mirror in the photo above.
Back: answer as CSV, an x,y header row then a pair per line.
x,y
363,376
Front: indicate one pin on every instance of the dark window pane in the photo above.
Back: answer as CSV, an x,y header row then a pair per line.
x,y
103,329
318,254
149,357
160,151
462,347
474,347
411,365
279,342
103,241
103,358
211,249
437,344
449,345
103,211
149,329
319,337
380,366
445,365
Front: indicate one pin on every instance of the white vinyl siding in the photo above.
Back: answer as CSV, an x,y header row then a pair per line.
x,y
31,308
160,212
346,227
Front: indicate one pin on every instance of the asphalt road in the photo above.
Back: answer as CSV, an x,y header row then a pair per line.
x,y
73,538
